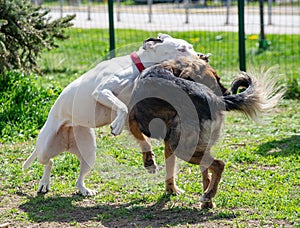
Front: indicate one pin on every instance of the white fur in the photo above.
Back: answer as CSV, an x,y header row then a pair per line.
x,y
97,98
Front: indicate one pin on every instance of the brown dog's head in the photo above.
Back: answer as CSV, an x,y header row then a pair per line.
x,y
197,69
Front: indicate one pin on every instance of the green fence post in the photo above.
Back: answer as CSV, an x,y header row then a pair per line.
x,y
263,43
242,49
111,28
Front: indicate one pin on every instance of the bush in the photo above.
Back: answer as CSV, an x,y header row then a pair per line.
x,y
26,30
24,106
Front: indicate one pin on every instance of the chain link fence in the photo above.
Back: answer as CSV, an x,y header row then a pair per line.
x,y
208,24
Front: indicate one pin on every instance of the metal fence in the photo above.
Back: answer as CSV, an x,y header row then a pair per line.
x,y
263,24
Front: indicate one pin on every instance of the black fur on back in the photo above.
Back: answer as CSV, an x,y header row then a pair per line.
x,y
156,81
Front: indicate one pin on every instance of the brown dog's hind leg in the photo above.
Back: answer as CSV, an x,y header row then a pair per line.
x,y
205,183
143,141
205,178
216,168
170,161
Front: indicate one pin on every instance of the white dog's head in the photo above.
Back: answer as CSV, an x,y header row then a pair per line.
x,y
164,47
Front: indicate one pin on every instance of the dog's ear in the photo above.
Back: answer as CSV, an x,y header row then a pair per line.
x,y
162,36
150,42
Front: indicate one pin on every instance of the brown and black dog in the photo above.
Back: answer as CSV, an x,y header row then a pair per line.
x,y
194,69
189,114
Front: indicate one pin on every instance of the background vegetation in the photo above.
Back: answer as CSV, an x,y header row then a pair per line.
x,y
260,185
25,31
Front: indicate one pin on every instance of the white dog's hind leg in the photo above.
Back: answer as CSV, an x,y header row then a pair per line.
x,y
108,99
85,149
85,168
45,181
49,144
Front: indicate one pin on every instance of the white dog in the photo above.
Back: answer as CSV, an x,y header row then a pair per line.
x,y
95,99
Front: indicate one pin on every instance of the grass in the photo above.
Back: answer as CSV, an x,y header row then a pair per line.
x,y
88,47
260,185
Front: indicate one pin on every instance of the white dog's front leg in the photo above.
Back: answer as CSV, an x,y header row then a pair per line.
x,y
107,98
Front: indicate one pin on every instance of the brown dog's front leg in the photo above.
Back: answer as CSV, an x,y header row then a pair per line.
x,y
149,161
170,161
143,141
205,178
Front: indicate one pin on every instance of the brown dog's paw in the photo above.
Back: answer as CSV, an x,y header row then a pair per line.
x,y
173,190
153,169
149,162
208,205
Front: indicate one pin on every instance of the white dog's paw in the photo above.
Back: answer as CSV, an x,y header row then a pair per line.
x,y
117,127
84,190
44,188
88,192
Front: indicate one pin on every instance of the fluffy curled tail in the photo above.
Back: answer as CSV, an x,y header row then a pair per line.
x,y
30,159
260,96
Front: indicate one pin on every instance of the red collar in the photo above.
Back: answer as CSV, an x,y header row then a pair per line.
x,y
136,60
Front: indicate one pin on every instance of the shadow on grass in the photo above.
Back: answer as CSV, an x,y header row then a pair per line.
x,y
136,213
285,147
